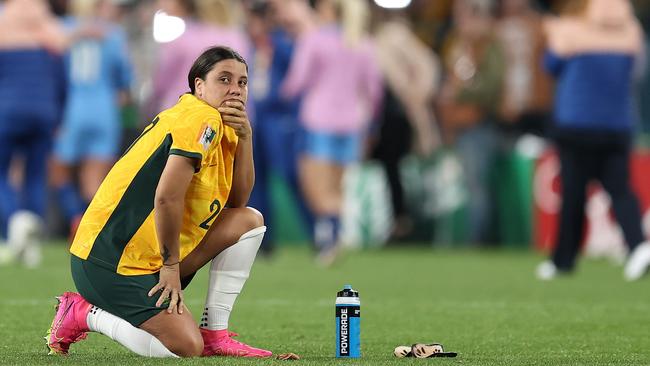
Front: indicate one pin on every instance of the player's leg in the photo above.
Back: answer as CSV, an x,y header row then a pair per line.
x,y
26,225
93,172
575,172
225,231
177,332
344,149
35,179
67,195
328,225
314,170
138,324
615,178
67,147
295,148
74,317
231,244
322,174
476,150
7,193
99,157
392,144
314,184
120,309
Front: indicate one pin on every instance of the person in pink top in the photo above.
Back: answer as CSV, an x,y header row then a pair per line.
x,y
207,23
335,72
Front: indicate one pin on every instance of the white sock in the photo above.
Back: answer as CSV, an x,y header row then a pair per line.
x,y
123,332
228,273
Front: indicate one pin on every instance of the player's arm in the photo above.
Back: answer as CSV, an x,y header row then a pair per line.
x,y
301,68
243,177
169,205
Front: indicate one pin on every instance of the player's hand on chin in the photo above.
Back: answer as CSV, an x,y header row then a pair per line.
x,y
233,114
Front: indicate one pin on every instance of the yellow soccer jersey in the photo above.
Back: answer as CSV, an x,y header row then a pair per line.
x,y
118,231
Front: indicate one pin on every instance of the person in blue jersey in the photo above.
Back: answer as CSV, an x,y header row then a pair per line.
x,y
594,51
99,78
277,131
32,92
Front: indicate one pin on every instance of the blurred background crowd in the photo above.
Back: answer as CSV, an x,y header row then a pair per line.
x,y
424,121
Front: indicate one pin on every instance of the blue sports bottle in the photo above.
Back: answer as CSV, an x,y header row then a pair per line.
x,y
348,321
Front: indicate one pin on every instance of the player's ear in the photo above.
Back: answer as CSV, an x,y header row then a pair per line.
x,y
198,86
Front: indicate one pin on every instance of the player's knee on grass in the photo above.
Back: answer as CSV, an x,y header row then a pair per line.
x,y
185,345
177,332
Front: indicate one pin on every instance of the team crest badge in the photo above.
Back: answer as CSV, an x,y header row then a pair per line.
x,y
206,137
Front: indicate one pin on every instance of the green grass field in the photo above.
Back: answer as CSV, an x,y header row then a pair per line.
x,y
485,305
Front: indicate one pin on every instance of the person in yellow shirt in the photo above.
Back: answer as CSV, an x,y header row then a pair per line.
x,y
174,201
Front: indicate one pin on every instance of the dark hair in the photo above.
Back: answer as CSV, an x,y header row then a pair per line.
x,y
208,59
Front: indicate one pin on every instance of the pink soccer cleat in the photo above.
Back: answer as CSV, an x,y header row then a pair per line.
x,y
220,343
69,324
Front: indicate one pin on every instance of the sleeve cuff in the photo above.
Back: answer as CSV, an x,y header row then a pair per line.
x,y
192,155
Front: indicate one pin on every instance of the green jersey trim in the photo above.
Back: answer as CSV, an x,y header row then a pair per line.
x,y
134,207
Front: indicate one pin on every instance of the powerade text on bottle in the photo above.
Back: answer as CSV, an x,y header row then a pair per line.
x,y
348,322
